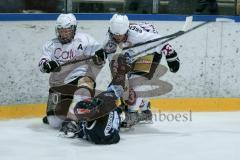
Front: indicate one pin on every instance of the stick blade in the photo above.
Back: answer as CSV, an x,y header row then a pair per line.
x,y
187,23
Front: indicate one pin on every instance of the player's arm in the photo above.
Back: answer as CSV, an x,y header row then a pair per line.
x,y
46,64
92,48
167,50
90,45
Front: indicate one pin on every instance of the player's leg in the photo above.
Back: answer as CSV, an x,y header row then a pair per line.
x,y
84,92
58,103
138,109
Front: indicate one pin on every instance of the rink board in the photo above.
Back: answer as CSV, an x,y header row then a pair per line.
x,y
167,104
214,72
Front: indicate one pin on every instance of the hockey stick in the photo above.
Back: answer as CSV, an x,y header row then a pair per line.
x,y
178,34
168,38
182,31
73,61
186,25
140,54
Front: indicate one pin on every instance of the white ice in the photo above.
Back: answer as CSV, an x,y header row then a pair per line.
x,y
209,136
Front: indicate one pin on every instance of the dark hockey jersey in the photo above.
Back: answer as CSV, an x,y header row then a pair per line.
x,y
104,130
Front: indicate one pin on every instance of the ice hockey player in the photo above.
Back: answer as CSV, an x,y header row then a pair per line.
x,y
76,79
97,119
123,34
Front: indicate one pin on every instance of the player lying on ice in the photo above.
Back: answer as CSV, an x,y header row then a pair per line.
x,y
97,119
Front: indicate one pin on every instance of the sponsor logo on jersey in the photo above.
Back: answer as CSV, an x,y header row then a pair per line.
x,y
60,54
109,124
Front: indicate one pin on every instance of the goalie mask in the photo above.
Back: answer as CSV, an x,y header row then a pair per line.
x,y
65,27
118,27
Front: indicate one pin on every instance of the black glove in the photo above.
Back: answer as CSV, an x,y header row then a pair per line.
x,y
51,66
173,62
101,54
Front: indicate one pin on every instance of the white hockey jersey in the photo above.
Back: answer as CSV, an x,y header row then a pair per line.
x,y
137,33
81,47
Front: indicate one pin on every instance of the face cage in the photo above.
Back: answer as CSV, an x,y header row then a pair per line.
x,y
112,35
67,36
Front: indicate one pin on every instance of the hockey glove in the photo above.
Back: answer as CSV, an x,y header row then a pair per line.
x,y
99,57
69,129
173,62
101,54
171,57
51,66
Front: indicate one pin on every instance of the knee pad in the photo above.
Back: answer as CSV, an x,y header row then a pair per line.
x,y
87,83
85,89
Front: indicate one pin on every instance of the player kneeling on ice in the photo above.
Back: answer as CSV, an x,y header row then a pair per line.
x,y
97,119
123,34
74,78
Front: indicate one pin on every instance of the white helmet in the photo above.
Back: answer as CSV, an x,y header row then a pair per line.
x,y
119,24
66,21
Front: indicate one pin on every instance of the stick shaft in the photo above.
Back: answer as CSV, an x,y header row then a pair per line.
x,y
187,23
169,39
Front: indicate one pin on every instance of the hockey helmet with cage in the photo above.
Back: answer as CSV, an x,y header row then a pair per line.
x,y
65,27
119,24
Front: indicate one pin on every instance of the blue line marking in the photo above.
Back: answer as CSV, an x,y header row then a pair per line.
x,y
96,16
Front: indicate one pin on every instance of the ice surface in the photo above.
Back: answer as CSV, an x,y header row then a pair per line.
x,y
209,136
